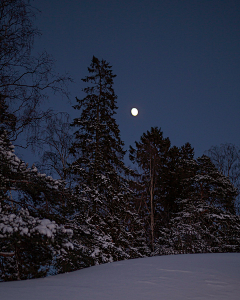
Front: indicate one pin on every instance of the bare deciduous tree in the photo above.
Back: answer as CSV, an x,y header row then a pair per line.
x,y
25,80
53,143
226,158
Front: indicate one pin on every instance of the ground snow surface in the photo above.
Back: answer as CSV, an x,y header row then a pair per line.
x,y
173,277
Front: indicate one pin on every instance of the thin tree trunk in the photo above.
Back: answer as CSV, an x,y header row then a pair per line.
x,y
151,203
17,262
97,130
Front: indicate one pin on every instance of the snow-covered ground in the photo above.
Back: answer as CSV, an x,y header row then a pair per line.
x,y
174,277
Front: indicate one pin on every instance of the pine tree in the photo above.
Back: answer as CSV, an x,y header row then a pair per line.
x,y
151,156
99,169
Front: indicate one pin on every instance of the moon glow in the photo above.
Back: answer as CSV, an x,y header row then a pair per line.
x,y
134,112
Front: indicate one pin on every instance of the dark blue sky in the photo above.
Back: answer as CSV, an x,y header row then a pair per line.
x,y
178,62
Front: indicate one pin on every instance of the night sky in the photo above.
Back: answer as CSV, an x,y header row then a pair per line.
x,y
178,62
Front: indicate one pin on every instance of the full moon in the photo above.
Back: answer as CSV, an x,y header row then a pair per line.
x,y
134,112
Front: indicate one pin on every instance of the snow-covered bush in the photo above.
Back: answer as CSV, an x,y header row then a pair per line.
x,y
31,206
29,244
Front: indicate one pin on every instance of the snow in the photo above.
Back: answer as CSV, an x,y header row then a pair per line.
x,y
68,245
46,227
14,223
172,277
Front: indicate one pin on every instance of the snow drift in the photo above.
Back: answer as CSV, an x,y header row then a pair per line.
x,y
173,277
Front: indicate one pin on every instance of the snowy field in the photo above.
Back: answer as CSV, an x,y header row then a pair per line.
x,y
178,277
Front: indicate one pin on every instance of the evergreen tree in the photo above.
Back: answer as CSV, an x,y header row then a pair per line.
x,y
199,227
99,169
213,187
204,220
165,177
177,178
151,156
30,227
226,158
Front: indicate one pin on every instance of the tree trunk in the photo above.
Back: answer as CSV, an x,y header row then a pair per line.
x,y
151,203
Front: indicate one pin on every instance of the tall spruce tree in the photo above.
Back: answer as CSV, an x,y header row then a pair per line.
x,y
100,171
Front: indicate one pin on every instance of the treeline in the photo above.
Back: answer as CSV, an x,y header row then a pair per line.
x,y
98,210
187,204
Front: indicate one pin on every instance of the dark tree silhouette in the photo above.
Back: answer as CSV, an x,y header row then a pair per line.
x,y
25,80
